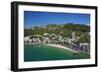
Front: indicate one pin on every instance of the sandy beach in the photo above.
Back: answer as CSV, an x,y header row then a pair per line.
x,y
59,46
63,47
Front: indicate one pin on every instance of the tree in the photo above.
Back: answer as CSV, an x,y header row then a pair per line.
x,y
85,39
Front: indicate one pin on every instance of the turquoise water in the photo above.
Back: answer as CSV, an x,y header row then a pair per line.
x,y
45,53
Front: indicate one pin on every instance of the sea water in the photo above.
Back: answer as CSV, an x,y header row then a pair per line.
x,y
44,53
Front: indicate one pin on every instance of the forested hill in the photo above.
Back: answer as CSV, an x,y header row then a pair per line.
x,y
59,29
77,27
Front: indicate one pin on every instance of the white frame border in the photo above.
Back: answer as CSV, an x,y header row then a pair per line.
x,y
22,64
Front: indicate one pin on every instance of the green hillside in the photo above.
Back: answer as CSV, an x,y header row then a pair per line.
x,y
64,30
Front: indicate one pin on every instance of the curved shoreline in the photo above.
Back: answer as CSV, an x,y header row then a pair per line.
x,y
63,47
59,46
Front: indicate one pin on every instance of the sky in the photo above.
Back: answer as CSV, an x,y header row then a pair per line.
x,y
33,18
